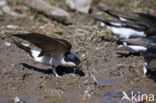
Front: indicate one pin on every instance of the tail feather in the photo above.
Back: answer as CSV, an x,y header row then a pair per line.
x,y
27,49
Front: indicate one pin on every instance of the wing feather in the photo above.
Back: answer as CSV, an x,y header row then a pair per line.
x,y
48,44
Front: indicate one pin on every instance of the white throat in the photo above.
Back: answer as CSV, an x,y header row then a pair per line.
x,y
65,63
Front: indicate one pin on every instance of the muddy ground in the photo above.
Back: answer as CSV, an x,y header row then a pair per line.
x,y
102,76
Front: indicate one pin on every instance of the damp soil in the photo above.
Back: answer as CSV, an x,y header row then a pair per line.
x,y
103,75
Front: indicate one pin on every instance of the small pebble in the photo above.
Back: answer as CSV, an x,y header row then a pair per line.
x,y
11,26
7,43
83,55
42,27
17,99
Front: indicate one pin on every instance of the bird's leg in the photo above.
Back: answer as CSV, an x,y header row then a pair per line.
x,y
145,66
54,71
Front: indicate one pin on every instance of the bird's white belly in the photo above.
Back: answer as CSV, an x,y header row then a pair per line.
x,y
126,32
137,48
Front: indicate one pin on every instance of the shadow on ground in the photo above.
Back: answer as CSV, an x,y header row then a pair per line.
x,y
61,70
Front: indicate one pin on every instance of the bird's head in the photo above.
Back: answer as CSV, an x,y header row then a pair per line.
x,y
70,60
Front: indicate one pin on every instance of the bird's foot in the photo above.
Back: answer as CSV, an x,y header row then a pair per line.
x,y
145,67
144,71
54,71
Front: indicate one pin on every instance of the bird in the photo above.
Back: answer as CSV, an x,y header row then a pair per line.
x,y
122,28
146,46
139,44
135,30
128,24
134,17
53,51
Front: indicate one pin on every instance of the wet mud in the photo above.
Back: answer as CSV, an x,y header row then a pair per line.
x,y
103,75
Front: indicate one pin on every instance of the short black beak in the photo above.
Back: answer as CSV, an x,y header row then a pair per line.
x,y
77,60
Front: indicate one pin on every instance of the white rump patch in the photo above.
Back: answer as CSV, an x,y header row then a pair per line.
x,y
35,54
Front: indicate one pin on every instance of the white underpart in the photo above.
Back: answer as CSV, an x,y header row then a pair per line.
x,y
51,60
65,63
134,48
35,54
123,19
125,32
145,67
